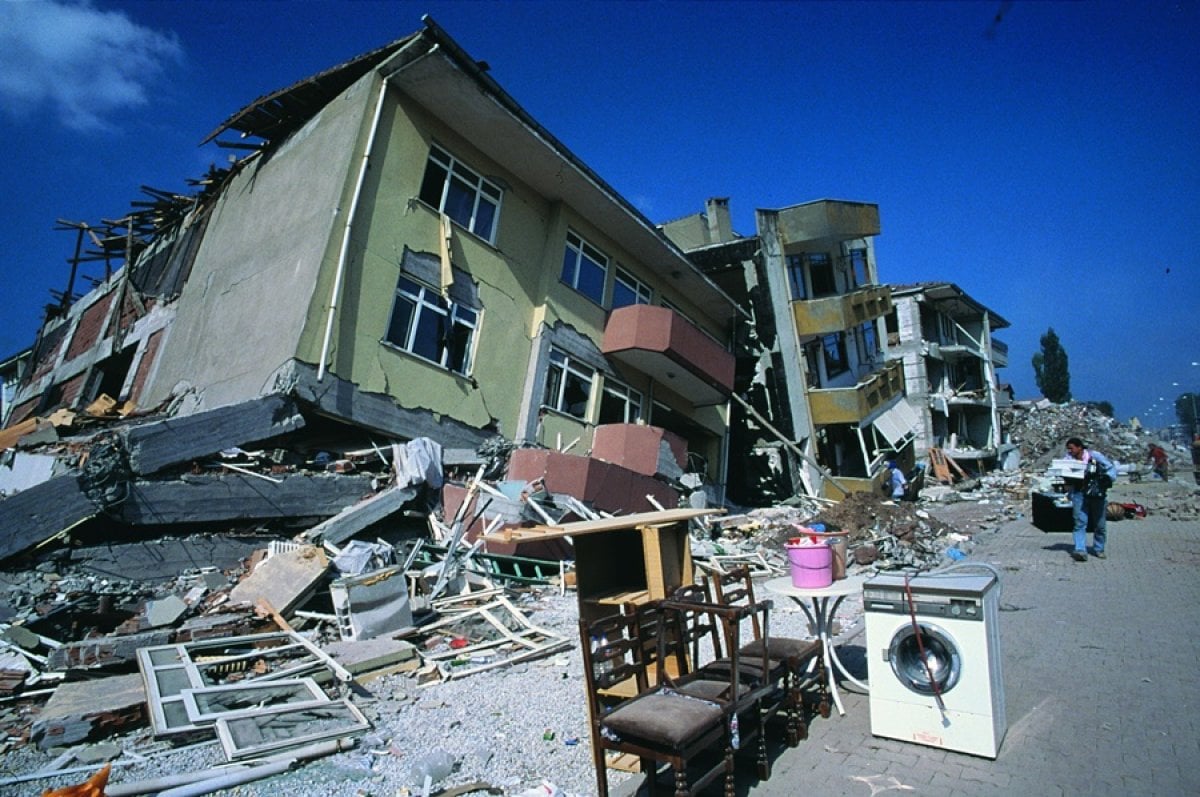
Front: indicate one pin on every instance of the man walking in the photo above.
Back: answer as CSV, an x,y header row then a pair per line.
x,y
1088,499
1158,461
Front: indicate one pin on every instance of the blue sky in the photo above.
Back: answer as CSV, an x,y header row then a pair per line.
x,y
1044,156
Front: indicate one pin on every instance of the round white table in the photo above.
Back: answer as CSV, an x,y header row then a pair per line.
x,y
820,605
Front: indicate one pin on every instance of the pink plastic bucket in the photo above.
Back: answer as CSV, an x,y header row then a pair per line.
x,y
812,564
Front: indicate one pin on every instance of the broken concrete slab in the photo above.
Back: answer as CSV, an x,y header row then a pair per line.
x,y
368,655
89,710
353,519
164,611
283,579
160,444
105,652
37,514
163,559
236,496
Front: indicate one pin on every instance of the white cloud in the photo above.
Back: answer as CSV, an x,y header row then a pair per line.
x,y
85,64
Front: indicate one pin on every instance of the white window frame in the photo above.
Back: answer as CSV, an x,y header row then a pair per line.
x,y
640,290
577,252
486,193
560,369
631,399
421,300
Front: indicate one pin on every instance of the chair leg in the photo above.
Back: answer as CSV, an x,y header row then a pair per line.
x,y
797,724
601,764
730,785
764,762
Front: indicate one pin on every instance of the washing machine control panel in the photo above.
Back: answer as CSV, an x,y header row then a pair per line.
x,y
887,601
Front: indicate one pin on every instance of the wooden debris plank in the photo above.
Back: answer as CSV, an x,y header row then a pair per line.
x,y
639,520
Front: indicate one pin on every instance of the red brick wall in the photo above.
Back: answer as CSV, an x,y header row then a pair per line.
x,y
89,331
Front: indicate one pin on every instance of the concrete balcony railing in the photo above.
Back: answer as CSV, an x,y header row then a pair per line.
x,y
853,404
660,342
837,313
828,220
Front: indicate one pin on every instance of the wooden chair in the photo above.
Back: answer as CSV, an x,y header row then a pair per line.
x,y
796,656
657,724
702,644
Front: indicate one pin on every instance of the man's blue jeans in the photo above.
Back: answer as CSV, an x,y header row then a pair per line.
x,y
1089,514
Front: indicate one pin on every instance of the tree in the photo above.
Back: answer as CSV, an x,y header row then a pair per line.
x,y
1050,369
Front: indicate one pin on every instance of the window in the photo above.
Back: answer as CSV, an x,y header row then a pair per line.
x,y
585,268
834,346
857,258
820,270
795,273
628,289
870,341
812,362
568,385
425,324
619,403
468,199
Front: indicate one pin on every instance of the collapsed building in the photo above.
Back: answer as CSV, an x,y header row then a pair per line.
x,y
403,254
824,408
944,338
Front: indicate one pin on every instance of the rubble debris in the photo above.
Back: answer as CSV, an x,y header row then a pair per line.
x,y
288,575
88,710
353,519
372,604
158,445
92,787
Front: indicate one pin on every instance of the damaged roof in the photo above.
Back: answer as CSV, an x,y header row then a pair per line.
x,y
272,116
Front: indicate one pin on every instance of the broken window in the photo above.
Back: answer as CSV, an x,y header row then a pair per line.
x,y
820,271
834,347
469,200
628,289
432,328
568,385
795,273
585,268
619,403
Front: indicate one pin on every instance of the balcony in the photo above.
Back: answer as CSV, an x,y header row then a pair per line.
x,y
828,219
853,404
660,342
999,353
837,313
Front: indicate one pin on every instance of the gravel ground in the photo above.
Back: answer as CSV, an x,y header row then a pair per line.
x,y
511,728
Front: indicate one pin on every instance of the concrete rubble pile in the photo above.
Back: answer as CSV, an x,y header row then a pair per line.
x,y
227,581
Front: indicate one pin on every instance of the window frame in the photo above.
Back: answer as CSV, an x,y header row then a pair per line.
x,y
856,257
641,292
473,181
838,362
560,367
797,285
426,299
579,246
823,262
629,398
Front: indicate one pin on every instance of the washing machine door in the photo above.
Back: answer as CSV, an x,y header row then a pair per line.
x,y
928,666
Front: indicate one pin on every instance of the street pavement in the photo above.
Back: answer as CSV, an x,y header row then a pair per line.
x,y
1101,674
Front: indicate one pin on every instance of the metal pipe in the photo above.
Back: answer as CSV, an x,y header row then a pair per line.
x,y
345,251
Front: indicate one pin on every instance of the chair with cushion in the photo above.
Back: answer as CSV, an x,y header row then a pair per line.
x,y
657,724
801,657
693,659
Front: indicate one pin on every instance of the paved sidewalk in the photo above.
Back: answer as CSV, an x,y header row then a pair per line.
x,y
1101,677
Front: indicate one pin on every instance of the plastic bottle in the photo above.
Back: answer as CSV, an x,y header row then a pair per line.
x,y
435,764
734,736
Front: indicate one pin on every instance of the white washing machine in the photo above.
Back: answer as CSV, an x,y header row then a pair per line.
x,y
944,686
